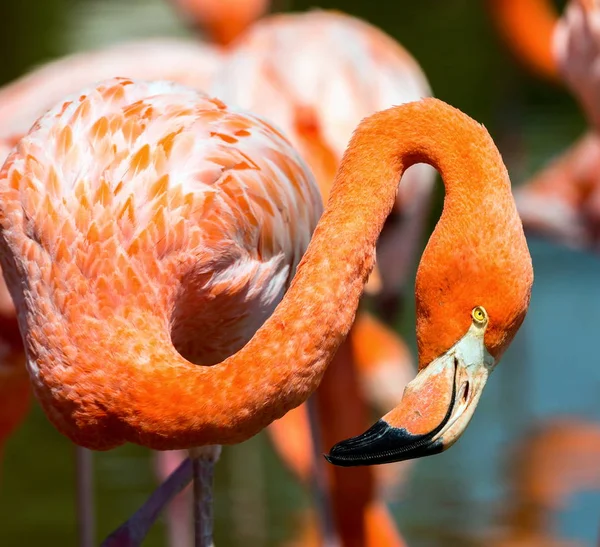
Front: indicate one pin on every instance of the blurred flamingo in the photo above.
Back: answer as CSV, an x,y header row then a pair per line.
x,y
112,290
298,71
182,61
562,202
527,27
222,21
557,460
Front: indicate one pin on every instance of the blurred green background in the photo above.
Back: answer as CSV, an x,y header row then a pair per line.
x,y
458,498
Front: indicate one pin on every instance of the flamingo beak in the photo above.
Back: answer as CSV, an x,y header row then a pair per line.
x,y
435,409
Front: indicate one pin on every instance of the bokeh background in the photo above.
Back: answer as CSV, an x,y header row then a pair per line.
x,y
463,497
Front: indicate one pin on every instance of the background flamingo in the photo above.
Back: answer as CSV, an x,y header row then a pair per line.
x,y
297,70
556,460
14,383
527,27
562,201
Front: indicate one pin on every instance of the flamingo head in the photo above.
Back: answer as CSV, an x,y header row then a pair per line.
x,y
223,20
472,293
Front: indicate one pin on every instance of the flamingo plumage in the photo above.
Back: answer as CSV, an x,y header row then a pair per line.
x,y
248,265
159,191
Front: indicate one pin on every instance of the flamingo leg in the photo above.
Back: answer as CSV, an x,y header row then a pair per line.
x,y
320,478
86,525
179,512
133,532
203,470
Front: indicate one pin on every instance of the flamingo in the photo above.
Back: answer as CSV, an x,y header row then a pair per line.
x,y
298,71
183,61
562,202
135,216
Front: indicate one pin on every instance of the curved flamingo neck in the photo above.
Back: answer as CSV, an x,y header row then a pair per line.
x,y
527,27
166,402
479,224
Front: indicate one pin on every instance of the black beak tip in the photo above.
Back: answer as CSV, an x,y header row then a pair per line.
x,y
382,443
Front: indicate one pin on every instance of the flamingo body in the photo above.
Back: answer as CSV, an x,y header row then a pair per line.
x,y
146,206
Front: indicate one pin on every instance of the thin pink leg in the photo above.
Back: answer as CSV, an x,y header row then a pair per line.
x,y
133,532
179,511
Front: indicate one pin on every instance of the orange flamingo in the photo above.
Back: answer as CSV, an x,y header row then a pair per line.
x,y
557,460
134,216
317,93
561,202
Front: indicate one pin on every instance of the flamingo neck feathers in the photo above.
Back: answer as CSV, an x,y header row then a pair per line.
x,y
528,27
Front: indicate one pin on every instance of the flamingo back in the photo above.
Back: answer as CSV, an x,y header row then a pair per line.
x,y
317,75
131,200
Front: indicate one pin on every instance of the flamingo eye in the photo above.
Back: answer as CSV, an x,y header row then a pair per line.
x,y
479,315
